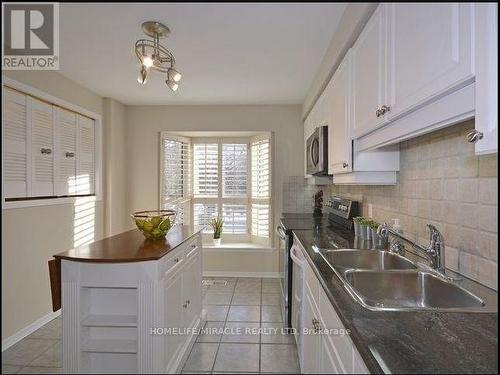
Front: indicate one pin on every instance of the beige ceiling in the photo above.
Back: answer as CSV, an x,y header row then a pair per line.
x,y
239,53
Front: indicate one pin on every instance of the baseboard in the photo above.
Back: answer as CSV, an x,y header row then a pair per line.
x,y
26,331
241,274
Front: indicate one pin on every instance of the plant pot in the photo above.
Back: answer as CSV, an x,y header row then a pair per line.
x,y
357,229
364,232
217,241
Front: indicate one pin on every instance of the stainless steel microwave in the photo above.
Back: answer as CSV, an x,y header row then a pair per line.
x,y
317,152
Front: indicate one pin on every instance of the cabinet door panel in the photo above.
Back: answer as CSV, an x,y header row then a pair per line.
x,y
15,133
85,156
192,287
66,127
310,342
429,52
369,73
327,362
339,131
173,311
42,132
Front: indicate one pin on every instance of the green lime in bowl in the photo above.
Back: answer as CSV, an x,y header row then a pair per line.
x,y
154,224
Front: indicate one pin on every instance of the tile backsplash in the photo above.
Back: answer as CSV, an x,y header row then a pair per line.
x,y
441,182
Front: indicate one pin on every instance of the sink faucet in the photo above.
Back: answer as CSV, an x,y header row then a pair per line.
x,y
435,251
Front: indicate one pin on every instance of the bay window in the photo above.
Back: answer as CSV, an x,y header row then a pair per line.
x,y
231,177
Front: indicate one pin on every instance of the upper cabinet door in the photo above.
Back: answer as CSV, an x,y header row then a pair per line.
x,y
429,52
369,74
339,130
486,68
15,144
42,150
85,156
66,127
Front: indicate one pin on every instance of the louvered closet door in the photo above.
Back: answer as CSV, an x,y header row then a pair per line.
x,y
42,151
85,156
15,135
66,127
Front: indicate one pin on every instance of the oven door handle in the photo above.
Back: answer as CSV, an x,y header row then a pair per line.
x,y
295,258
281,232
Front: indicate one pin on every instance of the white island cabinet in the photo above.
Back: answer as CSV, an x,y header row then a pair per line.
x,y
130,305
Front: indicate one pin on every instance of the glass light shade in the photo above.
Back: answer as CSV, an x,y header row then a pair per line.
x,y
143,76
174,75
173,85
147,61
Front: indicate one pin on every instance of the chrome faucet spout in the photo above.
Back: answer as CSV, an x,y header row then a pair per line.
x,y
435,251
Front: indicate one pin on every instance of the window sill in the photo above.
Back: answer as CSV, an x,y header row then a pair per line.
x,y
237,246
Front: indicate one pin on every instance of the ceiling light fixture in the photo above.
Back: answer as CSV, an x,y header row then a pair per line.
x,y
154,56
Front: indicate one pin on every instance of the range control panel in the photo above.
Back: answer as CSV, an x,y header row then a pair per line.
x,y
341,207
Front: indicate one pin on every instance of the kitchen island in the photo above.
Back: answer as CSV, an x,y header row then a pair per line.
x,y
130,304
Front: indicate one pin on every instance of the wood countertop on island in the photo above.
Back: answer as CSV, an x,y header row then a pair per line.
x,y
130,246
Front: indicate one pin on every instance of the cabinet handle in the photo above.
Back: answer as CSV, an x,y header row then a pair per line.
x,y
378,112
45,151
473,136
345,164
385,108
70,154
176,260
185,305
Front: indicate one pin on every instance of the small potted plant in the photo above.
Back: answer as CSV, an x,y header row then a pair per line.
x,y
217,223
373,225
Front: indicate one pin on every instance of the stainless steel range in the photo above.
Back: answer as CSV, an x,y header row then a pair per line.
x,y
339,214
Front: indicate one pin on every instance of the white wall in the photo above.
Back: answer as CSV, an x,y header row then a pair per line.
x,y
116,215
144,123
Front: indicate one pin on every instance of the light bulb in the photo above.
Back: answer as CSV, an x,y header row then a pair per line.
x,y
147,61
173,86
143,76
174,75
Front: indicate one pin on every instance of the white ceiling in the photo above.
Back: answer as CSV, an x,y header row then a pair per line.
x,y
262,53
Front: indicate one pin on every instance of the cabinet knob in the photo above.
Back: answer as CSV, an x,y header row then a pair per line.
x,y
46,151
70,154
385,108
185,305
473,136
378,112
176,260
345,164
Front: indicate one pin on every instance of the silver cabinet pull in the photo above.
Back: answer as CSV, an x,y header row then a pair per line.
x,y
345,164
46,151
385,108
474,135
378,112
70,154
176,260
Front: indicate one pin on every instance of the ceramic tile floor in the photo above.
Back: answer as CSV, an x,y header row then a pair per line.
x,y
244,307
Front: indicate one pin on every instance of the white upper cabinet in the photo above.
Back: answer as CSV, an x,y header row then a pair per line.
x,y
42,150
66,127
429,52
369,74
15,144
86,151
47,151
339,129
485,17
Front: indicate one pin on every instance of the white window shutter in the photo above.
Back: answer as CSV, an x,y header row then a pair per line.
x,y
235,218
85,162
15,140
42,151
206,170
65,157
260,220
176,178
261,187
234,170
203,213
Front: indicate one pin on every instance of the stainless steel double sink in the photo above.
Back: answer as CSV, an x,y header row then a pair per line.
x,y
381,280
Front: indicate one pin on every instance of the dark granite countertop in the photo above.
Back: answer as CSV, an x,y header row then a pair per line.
x,y
130,246
403,341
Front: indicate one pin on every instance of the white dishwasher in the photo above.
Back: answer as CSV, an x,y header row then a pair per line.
x,y
298,275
